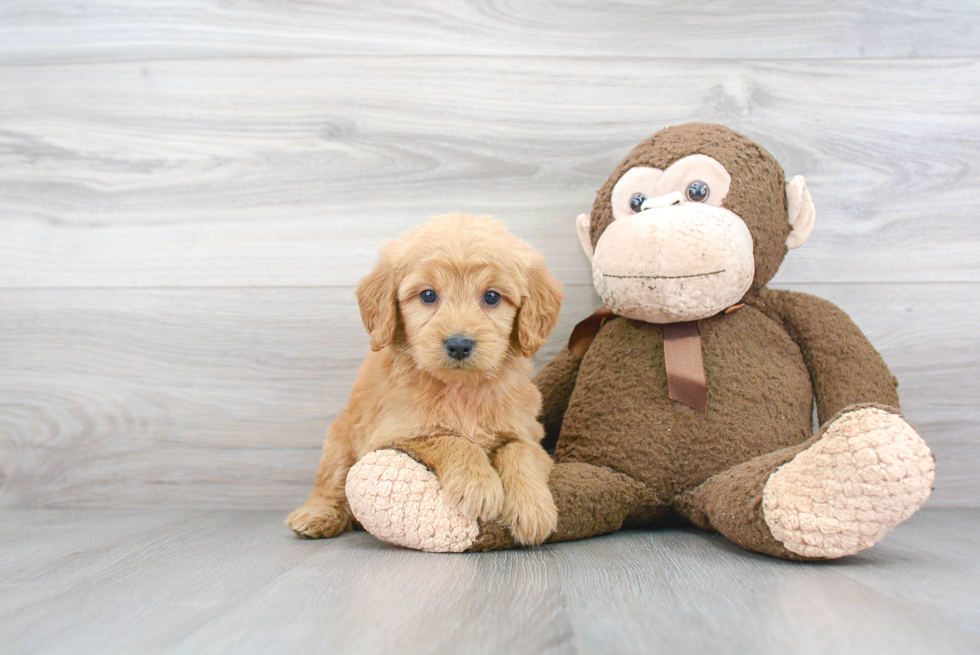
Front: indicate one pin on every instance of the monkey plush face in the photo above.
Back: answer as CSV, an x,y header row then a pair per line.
x,y
673,252
692,220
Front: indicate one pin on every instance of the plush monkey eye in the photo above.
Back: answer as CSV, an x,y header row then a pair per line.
x,y
491,298
636,202
698,191
428,296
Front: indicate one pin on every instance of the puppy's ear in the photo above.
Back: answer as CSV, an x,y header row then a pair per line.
x,y
377,297
539,309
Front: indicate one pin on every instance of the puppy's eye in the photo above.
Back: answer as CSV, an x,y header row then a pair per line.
x,y
491,298
428,296
636,202
698,191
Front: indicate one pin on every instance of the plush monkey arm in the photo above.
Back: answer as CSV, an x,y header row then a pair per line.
x,y
845,368
556,381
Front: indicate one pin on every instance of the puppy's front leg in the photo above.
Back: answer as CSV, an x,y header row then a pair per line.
x,y
529,508
326,512
464,470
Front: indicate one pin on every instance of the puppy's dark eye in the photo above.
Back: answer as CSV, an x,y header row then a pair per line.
x,y
491,298
698,191
428,296
636,202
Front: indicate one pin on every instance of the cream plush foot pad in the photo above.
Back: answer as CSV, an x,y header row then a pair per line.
x,y
402,502
869,472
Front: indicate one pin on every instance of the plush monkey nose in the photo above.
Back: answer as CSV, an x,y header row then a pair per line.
x,y
458,347
672,198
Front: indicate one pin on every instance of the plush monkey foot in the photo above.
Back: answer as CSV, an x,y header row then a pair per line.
x,y
868,472
401,501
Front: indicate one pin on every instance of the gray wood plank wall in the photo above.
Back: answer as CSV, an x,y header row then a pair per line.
x,y
189,191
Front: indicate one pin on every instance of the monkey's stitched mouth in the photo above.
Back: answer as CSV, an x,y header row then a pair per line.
x,y
663,277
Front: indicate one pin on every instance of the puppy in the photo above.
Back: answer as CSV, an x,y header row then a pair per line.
x,y
454,310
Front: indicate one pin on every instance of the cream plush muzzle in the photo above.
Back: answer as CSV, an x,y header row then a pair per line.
x,y
680,262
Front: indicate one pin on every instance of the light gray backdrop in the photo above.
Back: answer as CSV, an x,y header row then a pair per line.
x,y
190,190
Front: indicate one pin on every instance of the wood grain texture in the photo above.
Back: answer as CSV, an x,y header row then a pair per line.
x,y
259,172
52,31
189,190
179,581
220,397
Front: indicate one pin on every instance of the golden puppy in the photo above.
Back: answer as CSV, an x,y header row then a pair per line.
x,y
455,310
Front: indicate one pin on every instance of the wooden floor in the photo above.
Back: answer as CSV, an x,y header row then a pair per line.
x,y
183,581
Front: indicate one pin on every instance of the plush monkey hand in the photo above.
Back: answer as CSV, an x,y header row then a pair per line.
x,y
867,471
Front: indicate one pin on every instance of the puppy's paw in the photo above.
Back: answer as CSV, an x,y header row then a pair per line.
x,y
318,520
530,514
478,494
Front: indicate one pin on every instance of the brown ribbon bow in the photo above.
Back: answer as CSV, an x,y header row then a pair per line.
x,y
585,331
686,380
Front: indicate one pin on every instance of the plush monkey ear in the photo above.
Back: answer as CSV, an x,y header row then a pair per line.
x,y
584,226
538,313
377,298
802,213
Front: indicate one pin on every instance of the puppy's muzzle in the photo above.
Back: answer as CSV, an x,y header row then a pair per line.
x,y
458,347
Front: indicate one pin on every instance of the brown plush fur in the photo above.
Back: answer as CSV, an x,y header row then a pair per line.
x,y
473,421
628,455
765,365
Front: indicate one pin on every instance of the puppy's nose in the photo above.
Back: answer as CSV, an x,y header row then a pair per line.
x,y
458,347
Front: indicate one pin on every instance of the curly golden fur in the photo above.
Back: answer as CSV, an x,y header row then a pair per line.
x,y
474,418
